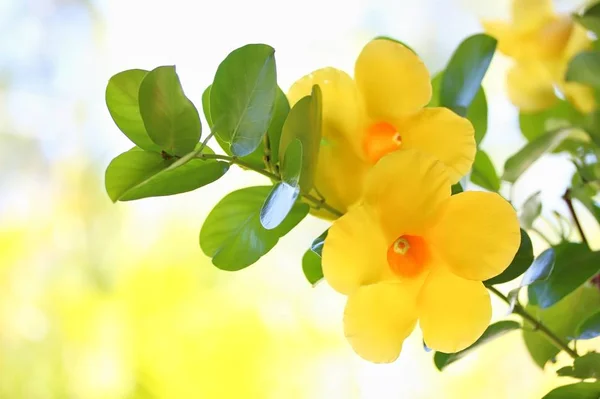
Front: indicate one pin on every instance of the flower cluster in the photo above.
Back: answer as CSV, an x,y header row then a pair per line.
x,y
406,250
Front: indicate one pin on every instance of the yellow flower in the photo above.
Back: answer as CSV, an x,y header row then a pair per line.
x,y
542,43
408,252
378,112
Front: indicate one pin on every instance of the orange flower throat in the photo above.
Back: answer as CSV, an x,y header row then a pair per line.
x,y
408,255
380,139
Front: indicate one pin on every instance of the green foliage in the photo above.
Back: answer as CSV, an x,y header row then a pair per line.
x,y
494,331
122,102
170,118
483,173
586,366
232,234
526,156
457,189
521,262
589,328
574,265
242,97
590,18
581,390
560,116
303,124
584,67
563,319
139,174
531,210
477,112
311,262
465,71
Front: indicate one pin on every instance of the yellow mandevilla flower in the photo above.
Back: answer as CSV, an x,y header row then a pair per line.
x,y
542,43
409,251
378,112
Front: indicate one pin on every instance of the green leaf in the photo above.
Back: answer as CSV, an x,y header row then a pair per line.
x,y
242,97
484,173
170,118
540,269
586,366
304,123
574,265
581,390
532,208
496,330
282,109
560,116
311,266
521,262
465,71
589,328
585,68
457,189
206,106
139,174
122,102
232,234
563,319
590,18
317,244
526,156
477,112
585,194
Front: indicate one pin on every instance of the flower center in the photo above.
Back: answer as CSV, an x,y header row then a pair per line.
x,y
381,138
408,256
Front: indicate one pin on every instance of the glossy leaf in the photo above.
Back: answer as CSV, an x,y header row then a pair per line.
x,y
477,112
563,319
532,208
521,262
590,18
589,328
465,71
304,124
206,106
317,244
526,156
232,234
574,265
123,105
496,330
311,267
171,119
139,174
581,390
585,68
540,269
242,97
282,109
586,366
483,173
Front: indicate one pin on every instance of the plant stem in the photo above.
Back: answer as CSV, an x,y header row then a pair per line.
x,y
569,201
318,203
537,325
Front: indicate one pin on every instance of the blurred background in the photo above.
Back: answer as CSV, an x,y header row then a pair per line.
x,y
102,300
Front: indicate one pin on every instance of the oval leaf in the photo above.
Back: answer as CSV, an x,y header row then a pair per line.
x,y
278,205
280,114
590,328
590,18
242,97
170,118
522,160
232,234
586,366
496,330
540,269
521,262
139,174
123,105
585,68
465,71
206,106
532,208
304,124
536,124
574,265
483,173
563,319
581,390
311,267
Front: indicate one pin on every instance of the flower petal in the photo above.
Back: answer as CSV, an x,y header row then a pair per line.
x,y
355,252
393,81
578,41
530,87
580,95
453,312
531,14
445,135
406,189
378,318
342,108
477,234
508,38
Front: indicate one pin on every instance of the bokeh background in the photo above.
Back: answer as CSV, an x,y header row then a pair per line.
x,y
102,300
